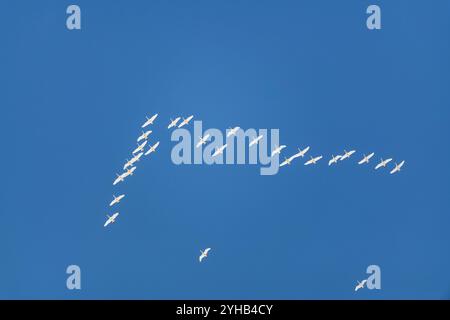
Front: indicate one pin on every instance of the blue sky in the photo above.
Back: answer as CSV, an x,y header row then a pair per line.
x,y
72,103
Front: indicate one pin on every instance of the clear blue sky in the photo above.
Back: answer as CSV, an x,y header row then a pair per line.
x,y
72,103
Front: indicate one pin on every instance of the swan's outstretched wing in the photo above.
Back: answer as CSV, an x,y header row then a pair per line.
x,y
305,150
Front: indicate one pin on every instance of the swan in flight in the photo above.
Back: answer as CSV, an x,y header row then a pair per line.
x,y
173,123
149,121
203,254
111,219
140,147
301,153
277,150
398,167
347,154
185,121
334,159
129,172
119,178
366,158
232,132
313,160
116,199
219,150
287,161
144,135
203,140
383,163
152,148
256,140
360,285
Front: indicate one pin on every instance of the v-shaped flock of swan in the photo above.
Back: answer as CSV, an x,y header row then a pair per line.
x,y
129,167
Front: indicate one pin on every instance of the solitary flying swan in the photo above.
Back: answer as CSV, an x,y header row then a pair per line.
x,y
111,219
144,135
202,140
232,131
256,140
347,154
366,158
204,254
383,163
277,150
334,159
149,121
185,121
116,199
140,147
173,123
313,160
360,285
398,167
